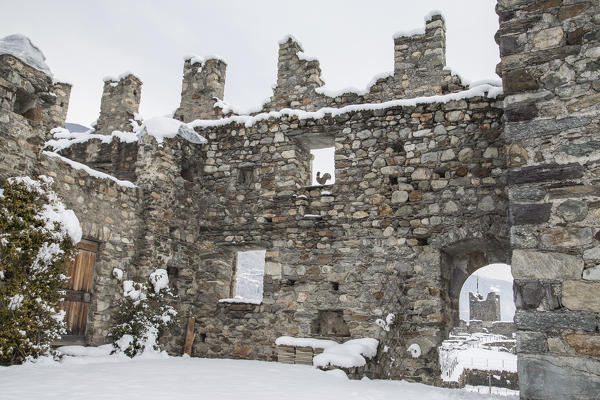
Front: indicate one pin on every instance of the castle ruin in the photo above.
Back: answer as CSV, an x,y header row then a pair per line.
x,y
486,310
433,181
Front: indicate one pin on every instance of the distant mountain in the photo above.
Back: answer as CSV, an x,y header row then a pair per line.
x,y
76,128
486,285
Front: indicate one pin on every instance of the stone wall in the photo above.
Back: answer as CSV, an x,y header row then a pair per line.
x,y
550,70
484,310
109,214
29,108
110,153
409,181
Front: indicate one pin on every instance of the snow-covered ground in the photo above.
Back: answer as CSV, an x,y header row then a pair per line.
x,y
147,378
474,352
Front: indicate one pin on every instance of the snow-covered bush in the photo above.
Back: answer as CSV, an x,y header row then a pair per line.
x,y
37,236
143,315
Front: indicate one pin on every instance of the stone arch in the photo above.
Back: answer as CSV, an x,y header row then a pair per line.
x,y
461,259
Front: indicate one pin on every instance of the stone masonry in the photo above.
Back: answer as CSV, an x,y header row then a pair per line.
x,y
426,192
550,67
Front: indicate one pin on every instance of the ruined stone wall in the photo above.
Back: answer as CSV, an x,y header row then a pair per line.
x,y
409,181
484,310
550,69
28,110
109,215
110,153
120,102
108,212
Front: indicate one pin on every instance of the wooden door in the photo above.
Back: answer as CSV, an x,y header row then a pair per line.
x,y
78,291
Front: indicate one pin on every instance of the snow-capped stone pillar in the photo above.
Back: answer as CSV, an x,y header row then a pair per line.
x,y
297,77
420,58
120,103
203,83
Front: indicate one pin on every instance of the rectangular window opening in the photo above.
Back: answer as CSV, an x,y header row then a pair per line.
x,y
248,278
323,166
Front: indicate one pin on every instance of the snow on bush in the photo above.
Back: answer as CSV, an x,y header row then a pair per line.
x,y
348,354
143,315
37,237
387,323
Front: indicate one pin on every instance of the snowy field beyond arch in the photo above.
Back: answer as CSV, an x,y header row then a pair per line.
x,y
117,377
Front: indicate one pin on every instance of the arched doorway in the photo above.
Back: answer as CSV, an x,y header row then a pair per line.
x,y
480,349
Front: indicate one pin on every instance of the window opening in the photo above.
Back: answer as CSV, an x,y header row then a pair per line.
x,y
248,279
323,166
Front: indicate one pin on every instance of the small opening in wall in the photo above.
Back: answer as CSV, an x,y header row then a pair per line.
x,y
135,92
23,103
203,337
246,175
330,323
323,166
393,180
335,286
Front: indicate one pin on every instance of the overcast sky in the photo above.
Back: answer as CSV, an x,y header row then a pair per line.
x,y
85,41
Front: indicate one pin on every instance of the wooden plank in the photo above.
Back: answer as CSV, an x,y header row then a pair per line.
x,y
88,245
189,336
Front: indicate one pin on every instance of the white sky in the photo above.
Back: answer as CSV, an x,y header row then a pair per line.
x,y
86,40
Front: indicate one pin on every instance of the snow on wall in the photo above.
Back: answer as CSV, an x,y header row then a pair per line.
x,y
88,170
21,47
304,342
484,90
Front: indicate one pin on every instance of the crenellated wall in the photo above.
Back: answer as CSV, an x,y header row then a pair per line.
x,y
419,62
419,70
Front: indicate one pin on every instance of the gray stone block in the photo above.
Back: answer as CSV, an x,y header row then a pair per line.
x,y
529,214
558,378
545,172
531,342
551,321
531,264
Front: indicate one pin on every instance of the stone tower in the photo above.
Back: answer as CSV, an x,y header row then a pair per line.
x,y
487,310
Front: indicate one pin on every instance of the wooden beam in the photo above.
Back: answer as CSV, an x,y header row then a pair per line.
x,y
190,335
